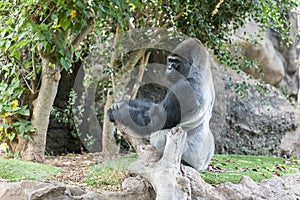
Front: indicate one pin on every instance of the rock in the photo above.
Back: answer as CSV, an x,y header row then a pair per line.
x,y
256,117
286,187
200,189
33,190
289,56
139,187
133,188
278,61
290,143
264,53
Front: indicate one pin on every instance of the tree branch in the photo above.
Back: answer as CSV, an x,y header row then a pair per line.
x,y
83,33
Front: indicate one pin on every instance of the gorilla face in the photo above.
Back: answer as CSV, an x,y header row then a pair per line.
x,y
177,68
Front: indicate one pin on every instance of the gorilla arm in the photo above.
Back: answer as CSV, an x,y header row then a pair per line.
x,y
139,117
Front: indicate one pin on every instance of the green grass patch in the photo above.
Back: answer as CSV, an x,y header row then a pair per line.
x,y
223,168
110,173
15,170
230,168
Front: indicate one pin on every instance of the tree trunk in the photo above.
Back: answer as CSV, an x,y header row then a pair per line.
x,y
298,47
42,106
298,96
163,173
110,145
109,142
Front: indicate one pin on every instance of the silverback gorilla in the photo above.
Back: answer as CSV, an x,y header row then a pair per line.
x,y
187,104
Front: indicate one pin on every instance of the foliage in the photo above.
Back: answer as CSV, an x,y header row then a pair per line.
x,y
13,115
15,170
231,168
65,116
52,24
34,29
213,22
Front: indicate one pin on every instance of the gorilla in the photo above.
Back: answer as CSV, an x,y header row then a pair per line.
x,y
187,104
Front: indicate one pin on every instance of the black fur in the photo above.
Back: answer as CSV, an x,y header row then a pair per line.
x,y
143,112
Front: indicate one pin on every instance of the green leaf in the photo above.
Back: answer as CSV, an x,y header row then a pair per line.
x,y
77,54
21,129
101,8
29,128
16,54
7,44
62,51
27,137
63,63
39,36
65,22
23,111
43,27
11,135
21,35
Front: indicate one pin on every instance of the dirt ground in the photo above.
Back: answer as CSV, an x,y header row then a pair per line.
x,y
75,168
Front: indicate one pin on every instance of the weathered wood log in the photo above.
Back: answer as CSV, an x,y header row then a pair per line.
x,y
163,172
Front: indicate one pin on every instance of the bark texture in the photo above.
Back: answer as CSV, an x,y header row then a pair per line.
x,y
163,172
42,106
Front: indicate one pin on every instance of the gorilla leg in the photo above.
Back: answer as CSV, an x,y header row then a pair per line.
x,y
198,150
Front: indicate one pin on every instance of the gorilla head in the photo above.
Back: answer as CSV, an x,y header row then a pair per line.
x,y
177,68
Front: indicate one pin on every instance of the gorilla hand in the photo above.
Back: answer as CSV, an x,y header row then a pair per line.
x,y
115,110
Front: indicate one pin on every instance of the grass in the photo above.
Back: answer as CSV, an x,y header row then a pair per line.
x,y
15,170
223,168
110,173
230,168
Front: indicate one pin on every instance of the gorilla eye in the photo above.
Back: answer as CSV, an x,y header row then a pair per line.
x,y
174,65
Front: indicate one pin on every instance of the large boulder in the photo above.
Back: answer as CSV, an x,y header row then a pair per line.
x,y
249,117
290,143
33,190
264,53
285,187
276,61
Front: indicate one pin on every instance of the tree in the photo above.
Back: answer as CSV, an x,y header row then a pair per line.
x,y
50,32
